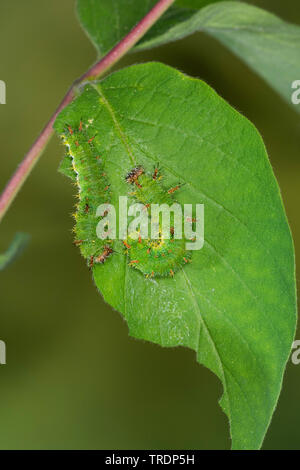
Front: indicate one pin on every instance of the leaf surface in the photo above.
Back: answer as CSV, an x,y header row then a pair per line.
x,y
234,304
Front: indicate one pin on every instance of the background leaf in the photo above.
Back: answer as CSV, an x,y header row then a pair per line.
x,y
266,43
235,303
16,247
107,22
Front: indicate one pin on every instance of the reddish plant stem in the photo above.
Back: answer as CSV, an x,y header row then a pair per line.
x,y
95,71
30,159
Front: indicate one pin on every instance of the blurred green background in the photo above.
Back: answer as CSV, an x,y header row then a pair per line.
x,y
74,379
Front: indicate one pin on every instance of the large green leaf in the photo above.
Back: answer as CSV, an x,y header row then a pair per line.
x,y
235,303
108,21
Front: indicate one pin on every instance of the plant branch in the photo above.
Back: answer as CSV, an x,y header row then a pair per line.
x,y
95,71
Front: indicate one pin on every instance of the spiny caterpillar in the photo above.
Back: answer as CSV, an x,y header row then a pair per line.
x,y
159,257
88,169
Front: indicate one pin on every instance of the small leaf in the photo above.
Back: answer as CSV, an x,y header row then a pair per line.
x,y
107,22
15,249
234,304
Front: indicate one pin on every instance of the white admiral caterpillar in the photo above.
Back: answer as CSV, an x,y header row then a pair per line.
x,y
159,257
84,165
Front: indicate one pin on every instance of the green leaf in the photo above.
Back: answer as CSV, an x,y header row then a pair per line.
x,y
234,304
106,22
15,249
267,44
